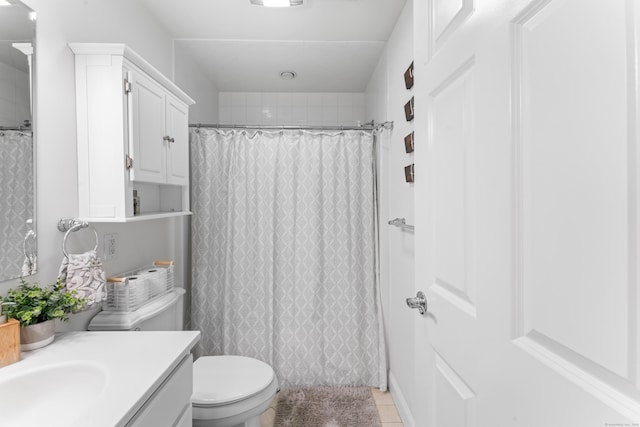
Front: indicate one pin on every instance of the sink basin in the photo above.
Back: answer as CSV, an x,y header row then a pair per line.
x,y
51,395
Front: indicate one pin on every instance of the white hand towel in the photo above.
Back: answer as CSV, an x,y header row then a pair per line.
x,y
30,265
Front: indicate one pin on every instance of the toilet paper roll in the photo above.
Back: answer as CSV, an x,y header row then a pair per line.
x,y
138,289
157,278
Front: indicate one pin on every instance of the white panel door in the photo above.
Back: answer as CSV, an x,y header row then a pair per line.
x,y
527,212
148,130
177,145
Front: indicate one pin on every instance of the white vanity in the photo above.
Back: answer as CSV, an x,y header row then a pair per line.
x,y
102,379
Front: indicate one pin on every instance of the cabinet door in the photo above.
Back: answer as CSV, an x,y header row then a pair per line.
x,y
147,130
178,145
170,401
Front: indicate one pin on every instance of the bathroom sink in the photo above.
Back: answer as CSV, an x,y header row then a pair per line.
x,y
51,395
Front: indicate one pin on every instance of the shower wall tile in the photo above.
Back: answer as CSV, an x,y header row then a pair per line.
x,y
314,113
314,99
329,99
300,115
238,114
299,100
254,114
269,100
285,99
285,114
291,109
345,100
254,99
330,114
238,99
224,115
224,99
345,114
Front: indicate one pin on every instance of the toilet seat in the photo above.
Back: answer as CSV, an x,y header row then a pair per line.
x,y
220,380
231,391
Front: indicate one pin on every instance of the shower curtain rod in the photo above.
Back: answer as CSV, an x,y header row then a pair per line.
x,y
18,128
366,126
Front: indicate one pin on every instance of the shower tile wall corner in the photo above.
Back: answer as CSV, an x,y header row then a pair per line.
x,y
291,109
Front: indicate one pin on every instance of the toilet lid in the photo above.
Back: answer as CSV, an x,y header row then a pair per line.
x,y
225,379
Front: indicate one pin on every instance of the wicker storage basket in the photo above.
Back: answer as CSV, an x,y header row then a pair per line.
x,y
131,289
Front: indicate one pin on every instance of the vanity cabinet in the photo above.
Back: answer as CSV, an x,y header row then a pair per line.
x,y
132,135
170,403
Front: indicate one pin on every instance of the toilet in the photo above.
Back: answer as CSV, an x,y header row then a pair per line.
x,y
228,391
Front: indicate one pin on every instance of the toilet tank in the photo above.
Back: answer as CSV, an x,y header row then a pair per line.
x,y
163,313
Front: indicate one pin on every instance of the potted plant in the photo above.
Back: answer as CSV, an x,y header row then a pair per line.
x,y
36,308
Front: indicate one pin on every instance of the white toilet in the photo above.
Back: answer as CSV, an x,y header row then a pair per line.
x,y
228,391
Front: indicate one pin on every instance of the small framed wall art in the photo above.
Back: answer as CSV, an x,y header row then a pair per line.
x,y
408,77
408,143
408,110
409,173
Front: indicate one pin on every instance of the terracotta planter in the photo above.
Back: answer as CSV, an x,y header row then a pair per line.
x,y
38,335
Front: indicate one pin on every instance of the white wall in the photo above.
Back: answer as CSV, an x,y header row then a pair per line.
x,y
386,96
59,23
292,109
190,78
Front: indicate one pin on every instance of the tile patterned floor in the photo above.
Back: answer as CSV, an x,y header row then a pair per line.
x,y
387,411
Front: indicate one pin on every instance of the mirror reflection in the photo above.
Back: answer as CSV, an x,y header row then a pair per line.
x,y
17,177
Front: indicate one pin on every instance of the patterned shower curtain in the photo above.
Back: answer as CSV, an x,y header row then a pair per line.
x,y
16,202
283,252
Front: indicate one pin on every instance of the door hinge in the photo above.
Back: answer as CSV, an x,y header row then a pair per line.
x,y
128,162
127,86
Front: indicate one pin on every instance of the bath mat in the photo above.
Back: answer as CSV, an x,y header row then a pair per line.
x,y
326,407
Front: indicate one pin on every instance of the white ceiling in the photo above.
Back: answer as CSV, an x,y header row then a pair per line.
x,y
332,45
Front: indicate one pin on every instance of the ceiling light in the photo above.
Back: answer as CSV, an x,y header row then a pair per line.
x,y
5,3
277,3
288,75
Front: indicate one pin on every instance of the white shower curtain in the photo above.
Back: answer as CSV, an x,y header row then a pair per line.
x,y
283,252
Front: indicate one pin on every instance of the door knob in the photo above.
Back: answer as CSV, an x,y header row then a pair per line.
x,y
419,302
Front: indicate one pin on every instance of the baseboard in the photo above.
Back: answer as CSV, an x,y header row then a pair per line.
x,y
401,403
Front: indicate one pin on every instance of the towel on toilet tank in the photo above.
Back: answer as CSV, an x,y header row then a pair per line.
x,y
84,273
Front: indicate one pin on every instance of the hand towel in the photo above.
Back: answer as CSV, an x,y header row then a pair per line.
x,y
84,273
29,265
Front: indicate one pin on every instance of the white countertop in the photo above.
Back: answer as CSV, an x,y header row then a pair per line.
x,y
135,364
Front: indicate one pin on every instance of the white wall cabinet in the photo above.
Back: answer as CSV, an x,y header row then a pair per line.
x,y
132,135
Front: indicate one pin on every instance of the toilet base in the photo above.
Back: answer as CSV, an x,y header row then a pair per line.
x,y
229,416
252,422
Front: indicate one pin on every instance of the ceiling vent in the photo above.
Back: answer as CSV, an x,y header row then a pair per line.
x,y
288,75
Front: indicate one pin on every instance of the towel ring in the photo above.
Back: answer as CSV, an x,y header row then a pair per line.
x,y
76,228
30,234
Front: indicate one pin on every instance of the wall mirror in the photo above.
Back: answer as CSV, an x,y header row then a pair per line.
x,y
17,141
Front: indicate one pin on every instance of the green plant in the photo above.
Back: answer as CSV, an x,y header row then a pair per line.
x,y
33,304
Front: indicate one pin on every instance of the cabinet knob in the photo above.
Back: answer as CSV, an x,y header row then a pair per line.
x,y
169,139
